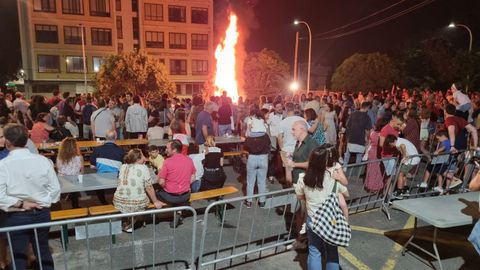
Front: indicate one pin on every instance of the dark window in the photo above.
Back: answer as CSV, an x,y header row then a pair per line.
x,y
154,39
44,88
120,47
48,63
74,64
135,5
118,5
197,87
119,27
153,12
73,35
188,89
100,8
176,14
178,89
44,5
46,33
199,15
135,28
136,47
72,6
178,67
101,36
199,42
199,67
178,40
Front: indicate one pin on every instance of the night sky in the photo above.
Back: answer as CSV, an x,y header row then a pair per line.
x,y
270,25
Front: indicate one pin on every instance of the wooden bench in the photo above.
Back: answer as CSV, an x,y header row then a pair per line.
x,y
235,153
203,195
67,214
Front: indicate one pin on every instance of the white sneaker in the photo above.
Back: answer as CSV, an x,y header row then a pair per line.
x,y
455,182
304,229
438,189
423,185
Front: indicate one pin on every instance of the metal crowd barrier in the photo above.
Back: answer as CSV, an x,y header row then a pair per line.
x,y
368,184
148,248
269,229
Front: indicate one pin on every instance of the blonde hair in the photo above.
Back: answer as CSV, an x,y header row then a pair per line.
x,y
133,156
210,141
68,150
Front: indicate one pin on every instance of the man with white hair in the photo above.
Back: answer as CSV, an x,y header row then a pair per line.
x,y
303,147
204,125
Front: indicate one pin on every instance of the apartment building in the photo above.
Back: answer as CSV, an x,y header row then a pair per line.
x,y
178,32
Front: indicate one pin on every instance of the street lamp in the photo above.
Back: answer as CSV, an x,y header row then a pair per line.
x,y
453,25
84,59
309,50
294,86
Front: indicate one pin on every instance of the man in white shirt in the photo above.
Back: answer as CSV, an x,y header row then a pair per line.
x,y
273,120
136,120
286,141
28,187
462,102
102,121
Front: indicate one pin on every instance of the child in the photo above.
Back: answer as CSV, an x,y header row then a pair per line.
x,y
424,131
154,157
198,163
439,164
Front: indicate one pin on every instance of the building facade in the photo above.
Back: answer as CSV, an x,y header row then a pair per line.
x,y
178,32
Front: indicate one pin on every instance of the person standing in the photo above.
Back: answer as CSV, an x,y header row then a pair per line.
x,y
225,117
462,102
204,125
28,187
136,120
87,112
102,121
357,130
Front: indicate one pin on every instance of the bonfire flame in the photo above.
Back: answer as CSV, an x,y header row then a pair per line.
x,y
225,75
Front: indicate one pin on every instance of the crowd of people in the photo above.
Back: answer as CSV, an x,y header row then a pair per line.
x,y
284,136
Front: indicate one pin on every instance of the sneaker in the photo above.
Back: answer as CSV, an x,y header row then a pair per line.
x,y
422,185
174,224
247,204
128,228
261,204
455,182
304,229
271,179
396,195
438,189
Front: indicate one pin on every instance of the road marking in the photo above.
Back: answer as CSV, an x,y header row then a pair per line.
x,y
352,259
395,253
367,229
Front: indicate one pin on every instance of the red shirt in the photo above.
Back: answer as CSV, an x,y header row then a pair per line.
x,y
456,121
388,130
177,171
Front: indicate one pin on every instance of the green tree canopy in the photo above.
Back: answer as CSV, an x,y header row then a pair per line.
x,y
135,72
265,73
366,72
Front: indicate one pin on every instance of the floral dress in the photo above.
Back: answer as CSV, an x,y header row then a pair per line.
x,y
130,195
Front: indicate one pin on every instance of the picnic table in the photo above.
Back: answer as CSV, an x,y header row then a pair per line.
x,y
441,212
90,182
218,140
92,144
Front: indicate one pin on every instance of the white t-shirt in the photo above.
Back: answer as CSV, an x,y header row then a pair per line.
x,y
255,124
181,137
411,150
274,123
461,98
155,133
197,162
316,197
285,128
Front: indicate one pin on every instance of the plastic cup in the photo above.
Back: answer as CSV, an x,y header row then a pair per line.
x,y
80,178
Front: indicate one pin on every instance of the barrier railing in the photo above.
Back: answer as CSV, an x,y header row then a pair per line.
x,y
368,182
269,228
157,245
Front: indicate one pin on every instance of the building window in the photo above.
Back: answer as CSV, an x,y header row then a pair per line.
x,y
100,8
154,39
119,27
120,47
46,33
44,88
199,15
193,88
176,14
135,28
101,36
178,67
97,62
136,47
74,64
199,42
118,5
178,40
135,5
153,12
44,5
48,63
199,67
73,35
178,90
72,7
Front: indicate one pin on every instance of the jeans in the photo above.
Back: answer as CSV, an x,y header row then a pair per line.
x,y
119,133
316,246
86,131
346,158
257,166
173,199
224,129
20,239
195,186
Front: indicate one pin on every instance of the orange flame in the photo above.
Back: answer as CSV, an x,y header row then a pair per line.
x,y
225,75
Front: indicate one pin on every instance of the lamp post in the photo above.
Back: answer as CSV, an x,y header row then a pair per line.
x,y
453,25
84,59
309,51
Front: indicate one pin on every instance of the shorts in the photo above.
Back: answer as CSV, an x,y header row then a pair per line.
x,y
437,168
389,166
405,168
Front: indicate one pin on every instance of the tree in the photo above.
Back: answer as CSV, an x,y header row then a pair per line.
x,y
366,72
135,72
265,73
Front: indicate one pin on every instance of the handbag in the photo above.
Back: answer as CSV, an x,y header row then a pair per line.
x,y
330,224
